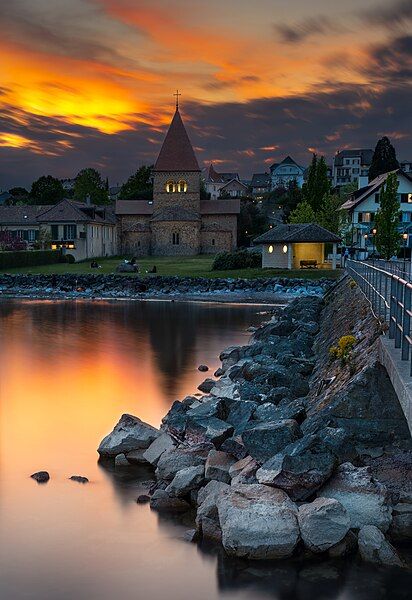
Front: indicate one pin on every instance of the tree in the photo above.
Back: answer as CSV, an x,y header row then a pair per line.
x,y
329,216
317,184
387,219
89,183
138,185
303,213
46,190
384,159
252,222
290,199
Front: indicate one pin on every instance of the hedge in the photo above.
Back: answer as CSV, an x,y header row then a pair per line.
x,y
28,258
242,259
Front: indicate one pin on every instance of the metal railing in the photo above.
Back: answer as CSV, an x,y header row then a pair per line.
x,y
402,268
390,297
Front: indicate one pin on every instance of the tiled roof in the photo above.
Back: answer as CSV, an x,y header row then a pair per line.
x,y
297,232
64,211
220,207
373,187
260,179
366,155
175,213
237,181
21,215
134,207
176,153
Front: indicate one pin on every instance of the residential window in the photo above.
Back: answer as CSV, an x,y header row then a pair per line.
x,y
175,239
32,235
213,241
406,198
55,232
69,232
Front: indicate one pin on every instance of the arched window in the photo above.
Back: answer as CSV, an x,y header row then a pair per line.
x,y
170,187
182,186
175,239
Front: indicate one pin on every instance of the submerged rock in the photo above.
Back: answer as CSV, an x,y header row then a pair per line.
x,y
129,434
163,501
323,523
257,522
41,476
79,479
203,368
143,499
374,548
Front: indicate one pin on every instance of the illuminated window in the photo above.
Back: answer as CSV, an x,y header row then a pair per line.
x,y
270,249
182,186
170,187
285,249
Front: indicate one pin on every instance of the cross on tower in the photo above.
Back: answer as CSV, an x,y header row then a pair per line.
x,y
177,94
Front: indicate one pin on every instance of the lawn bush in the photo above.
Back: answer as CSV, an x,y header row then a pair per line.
x,y
70,259
28,258
241,259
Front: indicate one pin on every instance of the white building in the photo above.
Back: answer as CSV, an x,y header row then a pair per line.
x,y
215,181
285,172
350,166
364,203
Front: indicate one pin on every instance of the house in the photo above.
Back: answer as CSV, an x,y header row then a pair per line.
x,y
406,166
294,246
177,221
363,204
214,181
83,230
260,185
234,189
351,165
283,173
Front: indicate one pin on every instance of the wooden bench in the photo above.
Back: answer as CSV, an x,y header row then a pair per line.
x,y
308,264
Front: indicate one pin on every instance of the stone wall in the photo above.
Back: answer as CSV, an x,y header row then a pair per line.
x,y
227,222
162,238
137,243
215,241
189,200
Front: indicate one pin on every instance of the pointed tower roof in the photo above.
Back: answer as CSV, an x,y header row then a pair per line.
x,y
177,153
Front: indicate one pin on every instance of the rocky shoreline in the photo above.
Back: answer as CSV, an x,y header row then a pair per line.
x,y
273,464
98,286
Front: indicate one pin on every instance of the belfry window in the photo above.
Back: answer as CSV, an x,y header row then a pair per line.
x,y
182,186
170,187
175,239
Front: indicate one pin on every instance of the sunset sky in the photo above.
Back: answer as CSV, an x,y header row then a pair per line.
x,y
90,82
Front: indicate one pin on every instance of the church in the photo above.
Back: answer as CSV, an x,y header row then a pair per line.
x,y
177,222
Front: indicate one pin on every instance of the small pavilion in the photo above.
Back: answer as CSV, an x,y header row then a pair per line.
x,y
297,246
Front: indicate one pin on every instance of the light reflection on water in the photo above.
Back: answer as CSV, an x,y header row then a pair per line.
x,y
67,372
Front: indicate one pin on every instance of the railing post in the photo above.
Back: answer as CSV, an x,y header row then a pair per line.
x,y
392,310
406,321
398,313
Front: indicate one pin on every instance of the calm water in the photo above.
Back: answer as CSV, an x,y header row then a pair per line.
x,y
68,370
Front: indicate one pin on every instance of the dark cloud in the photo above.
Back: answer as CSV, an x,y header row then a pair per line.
x,y
390,15
328,119
391,62
301,31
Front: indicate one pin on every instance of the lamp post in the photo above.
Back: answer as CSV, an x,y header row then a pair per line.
x,y
365,237
404,237
373,241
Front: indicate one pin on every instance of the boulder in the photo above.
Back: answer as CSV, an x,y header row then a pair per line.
x,y
240,414
174,422
366,500
323,523
257,522
176,459
206,385
234,446
203,368
263,440
213,407
186,480
129,434
277,394
292,410
299,387
207,502
79,479
143,499
339,443
209,429
162,501
345,547
155,450
401,526
41,476
217,466
136,457
225,388
374,548
211,530
300,468
244,471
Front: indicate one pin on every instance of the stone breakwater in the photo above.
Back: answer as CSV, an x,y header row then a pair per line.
x,y
266,476
135,287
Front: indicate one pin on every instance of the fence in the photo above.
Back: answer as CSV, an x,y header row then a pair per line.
x,y
390,297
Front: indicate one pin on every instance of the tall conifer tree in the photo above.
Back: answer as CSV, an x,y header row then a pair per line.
x,y
384,159
387,219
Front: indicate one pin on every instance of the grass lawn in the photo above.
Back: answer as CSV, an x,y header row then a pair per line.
x,y
192,266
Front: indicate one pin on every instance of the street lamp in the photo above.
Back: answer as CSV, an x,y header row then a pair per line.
x,y
373,241
404,237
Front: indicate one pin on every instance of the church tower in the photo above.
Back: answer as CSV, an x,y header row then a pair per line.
x,y
176,194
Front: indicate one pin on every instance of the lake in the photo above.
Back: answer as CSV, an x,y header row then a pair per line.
x,y
68,370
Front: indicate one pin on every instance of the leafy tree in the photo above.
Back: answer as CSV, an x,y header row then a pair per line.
x,y
19,192
329,215
384,159
139,183
387,219
252,222
317,184
89,183
303,213
290,199
46,190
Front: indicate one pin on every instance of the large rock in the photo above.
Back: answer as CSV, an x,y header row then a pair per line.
x,y
263,440
176,459
401,526
186,480
366,500
207,503
213,407
323,523
300,469
155,450
292,410
206,385
129,434
209,429
244,471
163,501
234,446
374,548
218,465
225,388
240,414
257,522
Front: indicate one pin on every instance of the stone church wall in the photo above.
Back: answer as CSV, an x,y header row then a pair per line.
x,y
189,199
213,242
228,222
162,238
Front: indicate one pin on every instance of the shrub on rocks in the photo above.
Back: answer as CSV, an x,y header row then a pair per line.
x,y
323,523
257,522
264,440
129,434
